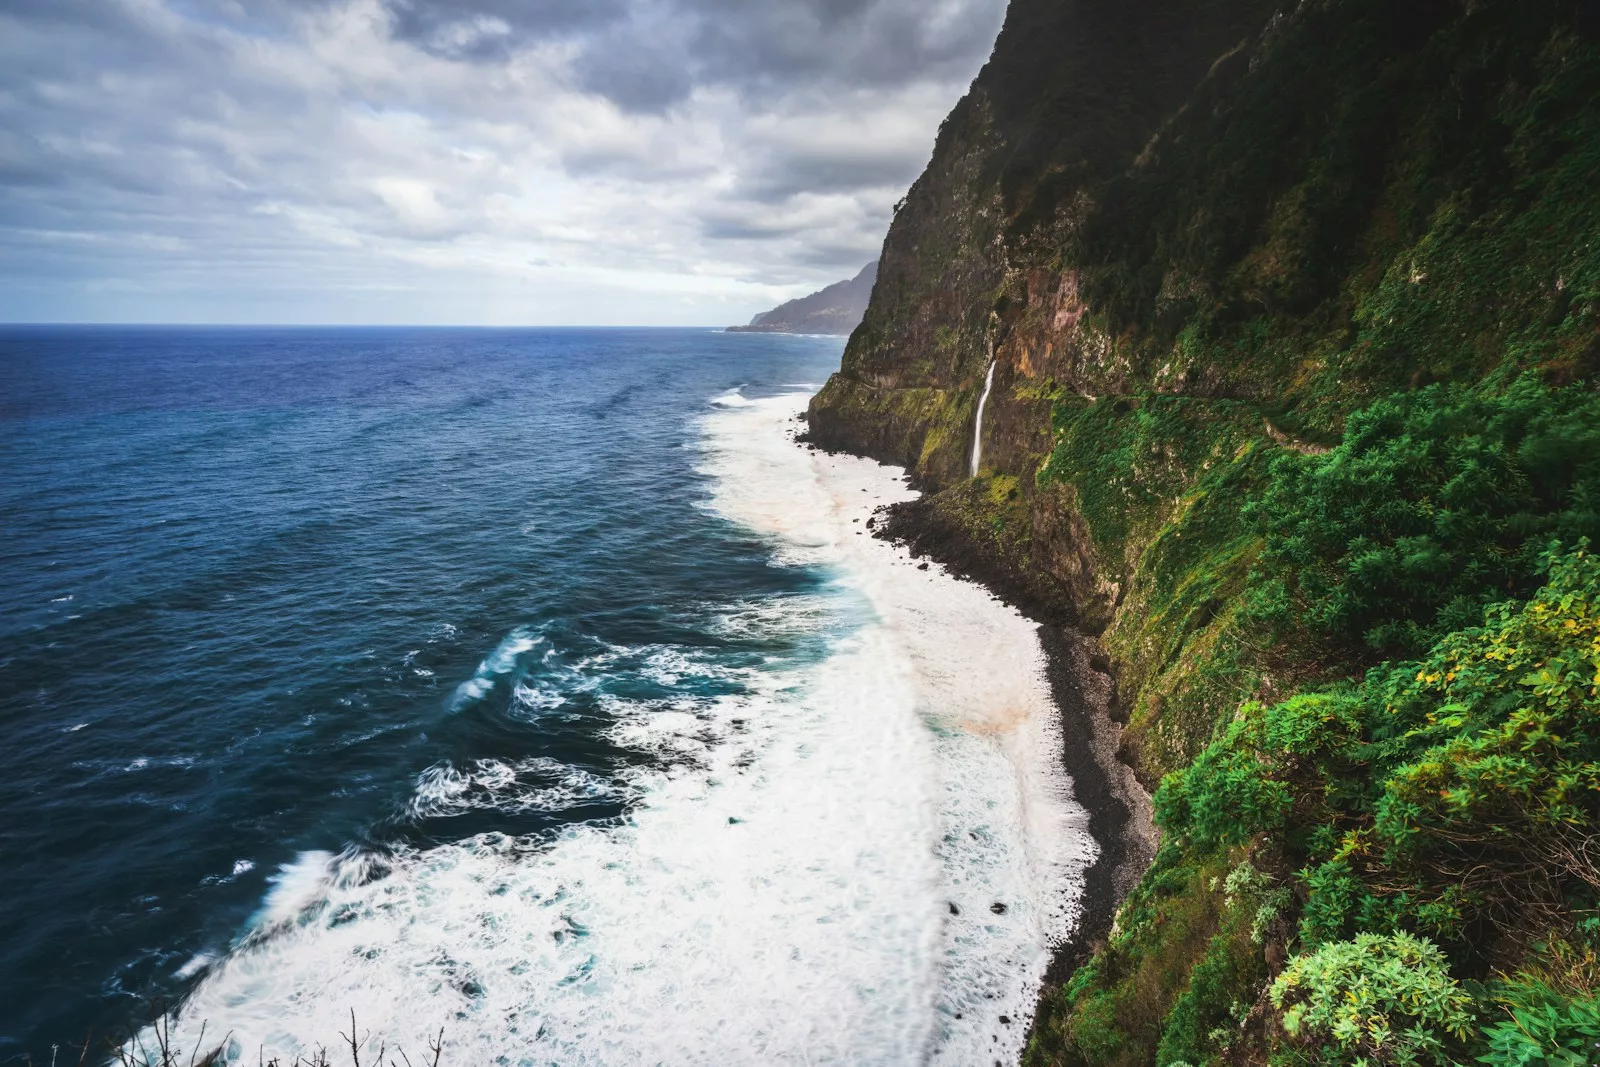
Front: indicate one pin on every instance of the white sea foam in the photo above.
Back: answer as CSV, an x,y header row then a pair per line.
x,y
239,867
295,888
733,398
781,891
1010,833
773,618
502,661
196,963
537,784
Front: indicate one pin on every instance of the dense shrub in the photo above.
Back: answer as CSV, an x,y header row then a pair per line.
x,y
1544,1028
1436,503
1515,775
1437,794
1375,1000
1229,793
1491,746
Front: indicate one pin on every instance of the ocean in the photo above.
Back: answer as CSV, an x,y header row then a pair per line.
x,y
529,686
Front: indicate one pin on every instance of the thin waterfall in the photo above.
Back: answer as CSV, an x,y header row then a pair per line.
x,y
977,429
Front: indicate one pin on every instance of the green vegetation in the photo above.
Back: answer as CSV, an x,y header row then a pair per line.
x,y
1340,484
1378,999
1312,294
1454,798
1436,504
1371,810
1544,1027
1447,795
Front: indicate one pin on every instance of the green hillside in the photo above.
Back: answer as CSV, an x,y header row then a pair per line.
x,y
1296,319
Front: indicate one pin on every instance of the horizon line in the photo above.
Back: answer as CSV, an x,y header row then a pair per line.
x,y
4,324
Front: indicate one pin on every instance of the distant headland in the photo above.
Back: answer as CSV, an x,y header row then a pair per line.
x,y
836,309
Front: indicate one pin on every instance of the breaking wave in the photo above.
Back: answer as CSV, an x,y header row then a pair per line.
x,y
856,853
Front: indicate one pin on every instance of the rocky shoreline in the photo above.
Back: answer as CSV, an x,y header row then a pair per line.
x,y
1081,686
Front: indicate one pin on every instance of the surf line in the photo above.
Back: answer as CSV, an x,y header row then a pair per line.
x,y
977,429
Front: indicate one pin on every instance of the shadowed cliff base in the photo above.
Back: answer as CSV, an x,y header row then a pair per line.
x,y
1081,685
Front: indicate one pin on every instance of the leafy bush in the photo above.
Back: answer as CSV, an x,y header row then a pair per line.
x,y
1228,794
1437,794
1544,1027
1268,760
1259,894
1376,1000
1514,777
1436,503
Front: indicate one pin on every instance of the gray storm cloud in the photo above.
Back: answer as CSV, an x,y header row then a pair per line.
x,y
460,160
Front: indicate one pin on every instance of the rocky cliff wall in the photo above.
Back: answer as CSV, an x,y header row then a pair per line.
x,y
1195,238
1258,218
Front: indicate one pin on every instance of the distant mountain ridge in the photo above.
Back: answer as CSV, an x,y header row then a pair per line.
x,y
836,309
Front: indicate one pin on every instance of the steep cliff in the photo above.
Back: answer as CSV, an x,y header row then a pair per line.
x,y
1294,311
835,308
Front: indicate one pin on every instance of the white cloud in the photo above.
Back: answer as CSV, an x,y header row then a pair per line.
x,y
344,160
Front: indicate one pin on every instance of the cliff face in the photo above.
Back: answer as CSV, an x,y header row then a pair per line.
x,y
1250,219
1074,89
1223,200
1204,244
836,308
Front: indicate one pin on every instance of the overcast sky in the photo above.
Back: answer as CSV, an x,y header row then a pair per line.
x,y
460,161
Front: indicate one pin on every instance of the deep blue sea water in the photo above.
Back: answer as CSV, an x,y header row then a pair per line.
x,y
265,587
